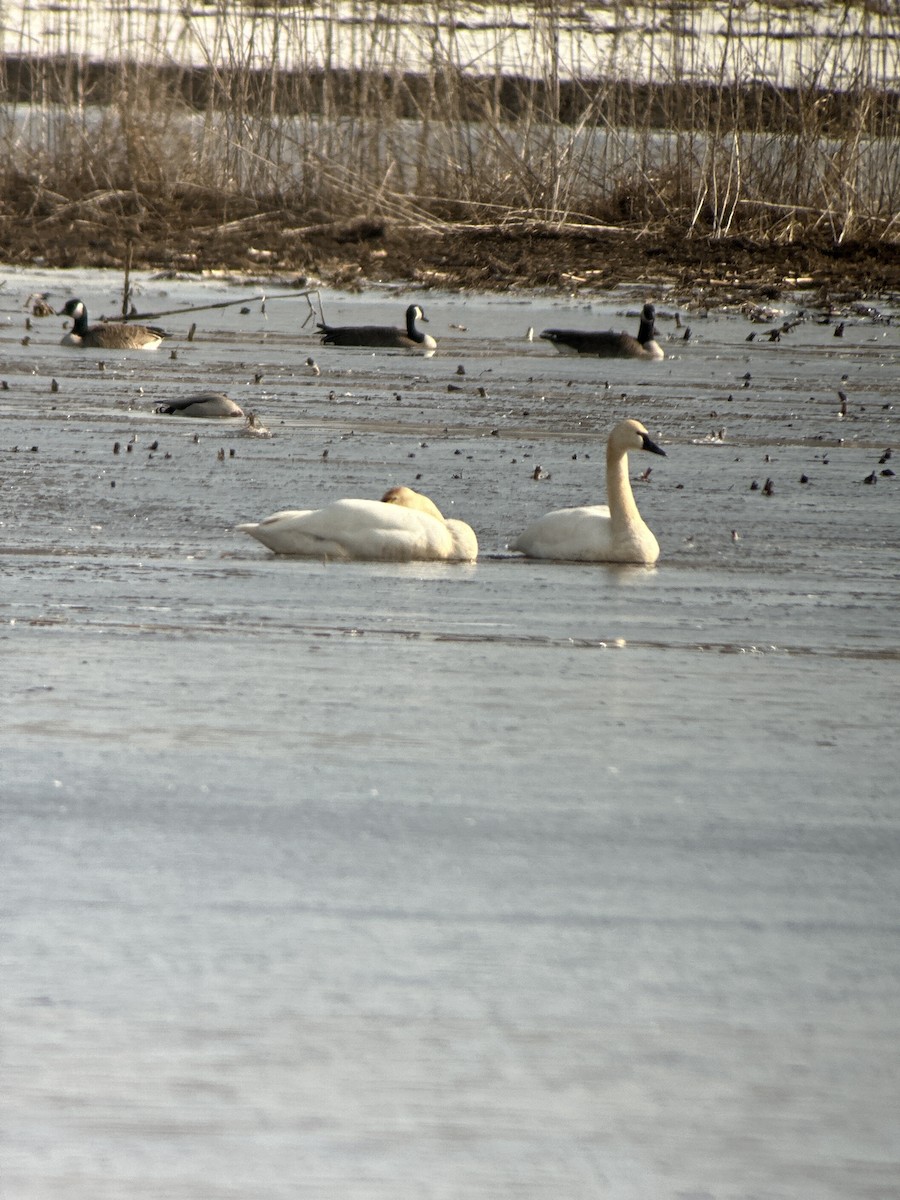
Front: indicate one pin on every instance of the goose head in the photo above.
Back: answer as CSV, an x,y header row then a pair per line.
x,y
418,337
413,314
76,310
647,330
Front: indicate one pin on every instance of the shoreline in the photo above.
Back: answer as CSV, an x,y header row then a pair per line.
x,y
357,253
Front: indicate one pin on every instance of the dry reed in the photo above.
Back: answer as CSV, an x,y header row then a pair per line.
x,y
715,120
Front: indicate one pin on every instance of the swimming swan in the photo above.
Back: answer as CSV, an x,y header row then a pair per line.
x,y
606,343
108,335
599,533
203,404
404,526
382,336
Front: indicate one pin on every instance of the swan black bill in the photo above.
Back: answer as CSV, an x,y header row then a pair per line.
x,y
652,446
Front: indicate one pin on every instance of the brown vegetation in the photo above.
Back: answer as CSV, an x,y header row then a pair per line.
x,y
691,176
197,230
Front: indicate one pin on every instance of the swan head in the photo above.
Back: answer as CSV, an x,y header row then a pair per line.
x,y
407,498
631,435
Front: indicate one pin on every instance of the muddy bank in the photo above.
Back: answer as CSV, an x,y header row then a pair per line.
x,y
194,228
192,231
497,259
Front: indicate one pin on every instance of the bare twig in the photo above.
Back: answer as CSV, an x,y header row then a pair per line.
x,y
263,298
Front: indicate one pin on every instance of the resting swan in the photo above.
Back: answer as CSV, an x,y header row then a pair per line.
x,y
407,498
608,344
385,337
403,526
599,533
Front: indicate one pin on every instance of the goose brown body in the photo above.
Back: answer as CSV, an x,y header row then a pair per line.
x,y
108,335
210,405
385,337
608,344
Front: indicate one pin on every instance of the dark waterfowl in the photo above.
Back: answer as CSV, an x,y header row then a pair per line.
x,y
108,335
386,337
203,404
608,344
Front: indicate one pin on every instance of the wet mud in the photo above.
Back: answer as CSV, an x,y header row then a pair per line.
x,y
196,230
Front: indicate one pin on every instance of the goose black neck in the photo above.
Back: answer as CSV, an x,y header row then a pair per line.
x,y
416,335
646,330
80,322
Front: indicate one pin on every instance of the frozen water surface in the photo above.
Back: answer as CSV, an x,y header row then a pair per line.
x,y
516,879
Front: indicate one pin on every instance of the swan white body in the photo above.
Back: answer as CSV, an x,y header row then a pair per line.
x,y
401,529
599,533
210,405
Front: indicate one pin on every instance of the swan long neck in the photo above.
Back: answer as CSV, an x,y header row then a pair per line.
x,y
623,511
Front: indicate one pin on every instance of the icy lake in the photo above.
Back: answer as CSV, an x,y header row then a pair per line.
x,y
513,879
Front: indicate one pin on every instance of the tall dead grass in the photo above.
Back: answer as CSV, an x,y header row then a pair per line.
x,y
718,120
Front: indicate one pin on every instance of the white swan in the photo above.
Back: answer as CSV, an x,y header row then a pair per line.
x,y
404,526
599,533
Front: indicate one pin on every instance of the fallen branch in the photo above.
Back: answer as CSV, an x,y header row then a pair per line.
x,y
263,299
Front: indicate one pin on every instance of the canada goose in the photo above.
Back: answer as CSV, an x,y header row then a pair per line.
x,y
599,533
407,527
108,335
203,404
606,343
383,336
